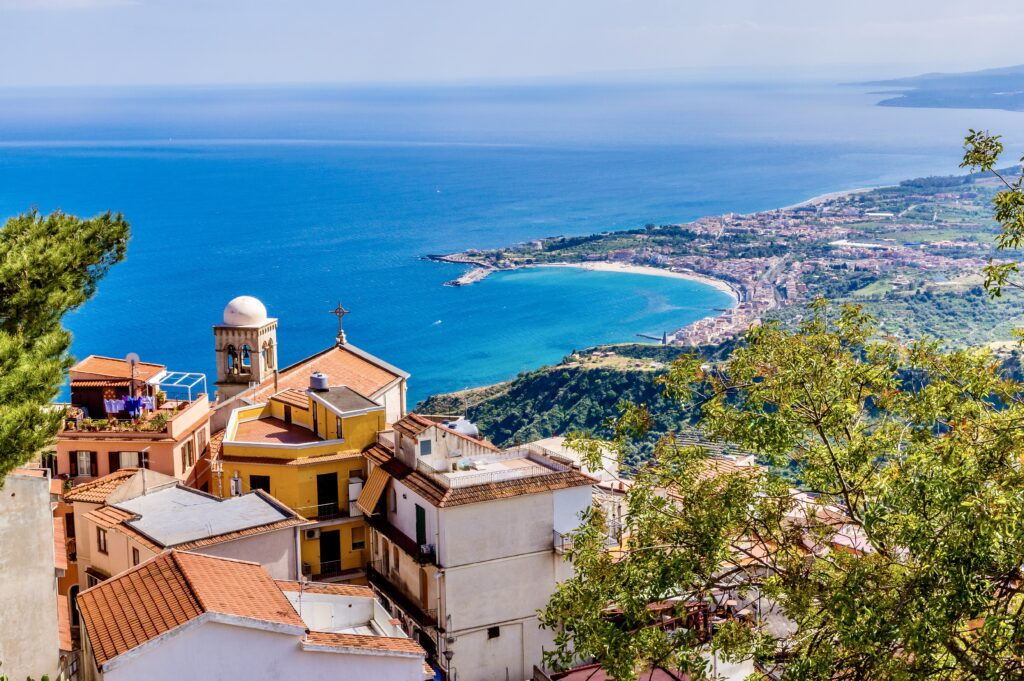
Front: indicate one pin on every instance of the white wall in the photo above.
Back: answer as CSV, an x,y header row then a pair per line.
x,y
218,652
495,529
28,587
487,593
568,505
275,551
404,516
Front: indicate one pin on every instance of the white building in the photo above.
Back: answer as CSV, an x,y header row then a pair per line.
x,y
184,615
29,644
467,544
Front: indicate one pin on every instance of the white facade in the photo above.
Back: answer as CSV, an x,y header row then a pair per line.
x,y
208,650
28,589
495,566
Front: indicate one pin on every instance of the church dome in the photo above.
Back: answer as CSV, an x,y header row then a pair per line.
x,y
245,311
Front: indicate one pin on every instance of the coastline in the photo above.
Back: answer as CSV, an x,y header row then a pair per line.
x,y
648,270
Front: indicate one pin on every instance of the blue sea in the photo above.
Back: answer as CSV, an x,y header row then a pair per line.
x,y
306,196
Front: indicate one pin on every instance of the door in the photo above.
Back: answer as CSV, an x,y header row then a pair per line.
x,y
287,413
327,495
421,525
330,552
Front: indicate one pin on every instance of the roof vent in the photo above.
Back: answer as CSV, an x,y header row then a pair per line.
x,y
318,382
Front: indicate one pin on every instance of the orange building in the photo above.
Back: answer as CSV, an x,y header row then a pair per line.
x,y
134,415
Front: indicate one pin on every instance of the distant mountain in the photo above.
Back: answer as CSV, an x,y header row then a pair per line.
x,y
1001,88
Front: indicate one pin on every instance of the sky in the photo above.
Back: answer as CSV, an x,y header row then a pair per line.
x,y
160,42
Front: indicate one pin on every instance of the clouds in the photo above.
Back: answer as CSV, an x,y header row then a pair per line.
x,y
218,41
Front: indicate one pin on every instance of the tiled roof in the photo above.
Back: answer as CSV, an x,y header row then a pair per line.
x,y
443,497
338,640
172,589
248,532
293,397
64,623
412,424
352,590
344,365
108,516
215,444
115,368
60,544
96,491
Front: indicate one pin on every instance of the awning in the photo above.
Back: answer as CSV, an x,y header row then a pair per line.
x,y
372,490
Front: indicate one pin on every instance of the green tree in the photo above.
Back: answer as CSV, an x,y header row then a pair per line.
x,y
49,265
899,557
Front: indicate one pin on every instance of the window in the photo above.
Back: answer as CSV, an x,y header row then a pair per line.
x,y
236,485
101,540
129,459
358,538
394,562
232,359
394,500
246,360
135,556
188,455
316,420
69,525
337,427
83,464
425,447
92,580
493,632
260,482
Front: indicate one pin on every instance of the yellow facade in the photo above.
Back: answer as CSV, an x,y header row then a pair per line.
x,y
291,471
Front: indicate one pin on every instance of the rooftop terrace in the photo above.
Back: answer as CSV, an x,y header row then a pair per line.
x,y
271,430
489,468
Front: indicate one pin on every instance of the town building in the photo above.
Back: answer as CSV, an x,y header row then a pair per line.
x,y
130,516
304,447
467,543
247,365
31,562
130,414
185,615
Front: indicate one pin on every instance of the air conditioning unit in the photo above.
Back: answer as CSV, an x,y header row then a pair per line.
x,y
307,569
313,534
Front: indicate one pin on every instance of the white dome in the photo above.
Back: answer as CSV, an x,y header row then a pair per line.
x,y
245,311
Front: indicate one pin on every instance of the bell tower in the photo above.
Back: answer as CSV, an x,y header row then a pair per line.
x,y
246,346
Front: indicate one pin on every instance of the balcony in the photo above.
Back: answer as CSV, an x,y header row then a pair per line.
x,y
425,617
72,549
425,554
330,571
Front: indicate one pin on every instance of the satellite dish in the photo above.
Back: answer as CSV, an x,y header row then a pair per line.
x,y
132,358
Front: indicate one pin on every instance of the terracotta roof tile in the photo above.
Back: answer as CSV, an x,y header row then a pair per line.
x,y
342,365
60,544
412,424
96,491
292,397
172,589
352,590
337,640
108,516
115,368
64,623
443,497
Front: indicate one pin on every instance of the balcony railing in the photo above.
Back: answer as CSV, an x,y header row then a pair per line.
x,y
460,479
322,511
329,569
424,554
381,581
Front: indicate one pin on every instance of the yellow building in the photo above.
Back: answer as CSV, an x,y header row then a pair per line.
x,y
304,447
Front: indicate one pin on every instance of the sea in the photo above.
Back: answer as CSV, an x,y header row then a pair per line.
x,y
307,196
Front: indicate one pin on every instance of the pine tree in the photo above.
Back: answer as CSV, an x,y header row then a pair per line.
x,y
49,266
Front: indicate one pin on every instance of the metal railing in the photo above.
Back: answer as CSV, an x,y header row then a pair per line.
x,y
460,479
395,592
322,511
561,541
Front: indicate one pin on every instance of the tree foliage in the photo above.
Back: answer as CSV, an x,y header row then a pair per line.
x,y
901,555
49,265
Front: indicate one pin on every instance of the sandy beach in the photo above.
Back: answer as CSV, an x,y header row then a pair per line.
x,y
605,266
828,197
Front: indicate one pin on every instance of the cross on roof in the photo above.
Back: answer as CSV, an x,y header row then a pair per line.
x,y
340,312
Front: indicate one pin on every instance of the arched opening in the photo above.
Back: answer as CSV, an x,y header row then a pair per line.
x,y
73,603
246,360
268,354
232,359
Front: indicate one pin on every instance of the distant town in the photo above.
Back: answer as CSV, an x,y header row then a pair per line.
x,y
930,238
